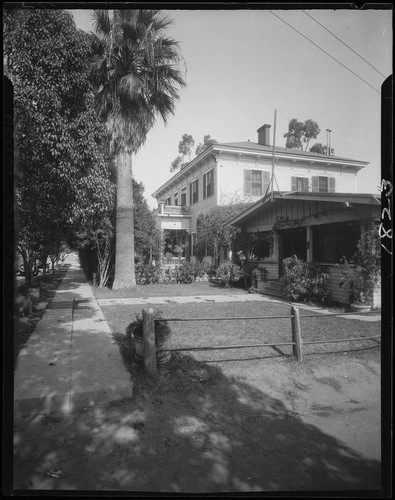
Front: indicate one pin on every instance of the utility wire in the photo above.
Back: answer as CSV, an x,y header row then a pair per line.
x,y
337,38
322,50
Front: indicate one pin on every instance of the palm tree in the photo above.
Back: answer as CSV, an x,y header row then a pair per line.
x,y
136,78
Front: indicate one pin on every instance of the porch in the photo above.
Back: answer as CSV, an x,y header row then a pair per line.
x,y
317,229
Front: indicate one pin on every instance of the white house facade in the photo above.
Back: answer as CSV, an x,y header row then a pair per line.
x,y
242,171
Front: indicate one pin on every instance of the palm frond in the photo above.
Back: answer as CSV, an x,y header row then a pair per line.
x,y
102,22
135,73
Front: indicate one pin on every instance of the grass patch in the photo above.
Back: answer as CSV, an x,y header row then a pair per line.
x,y
248,331
167,290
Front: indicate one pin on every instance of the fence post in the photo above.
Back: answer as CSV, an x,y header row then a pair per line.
x,y
296,334
149,341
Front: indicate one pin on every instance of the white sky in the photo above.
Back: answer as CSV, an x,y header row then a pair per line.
x,y
244,64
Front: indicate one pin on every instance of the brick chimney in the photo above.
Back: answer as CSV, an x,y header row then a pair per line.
x,y
264,135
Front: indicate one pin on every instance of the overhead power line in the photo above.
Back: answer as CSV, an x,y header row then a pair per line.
x,y
344,43
324,51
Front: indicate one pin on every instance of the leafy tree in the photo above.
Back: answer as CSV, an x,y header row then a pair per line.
x,y
213,233
321,149
146,232
207,142
300,133
185,147
63,173
135,76
97,238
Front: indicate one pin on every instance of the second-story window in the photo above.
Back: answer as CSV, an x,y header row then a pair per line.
x,y
321,184
184,197
299,184
256,182
176,199
208,184
168,201
194,192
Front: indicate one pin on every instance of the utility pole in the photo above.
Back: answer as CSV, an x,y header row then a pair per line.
x,y
328,141
274,145
329,147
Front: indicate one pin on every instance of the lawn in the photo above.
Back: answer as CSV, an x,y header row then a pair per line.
x,y
167,290
249,331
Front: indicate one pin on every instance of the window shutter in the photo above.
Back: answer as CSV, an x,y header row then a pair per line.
x,y
306,185
190,194
204,186
293,184
331,184
315,185
265,182
197,190
247,181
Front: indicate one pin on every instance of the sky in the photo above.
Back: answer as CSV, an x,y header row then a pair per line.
x,y
242,65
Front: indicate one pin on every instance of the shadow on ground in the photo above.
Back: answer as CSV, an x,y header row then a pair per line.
x,y
189,429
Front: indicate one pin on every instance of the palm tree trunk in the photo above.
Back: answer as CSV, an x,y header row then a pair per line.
x,y
124,251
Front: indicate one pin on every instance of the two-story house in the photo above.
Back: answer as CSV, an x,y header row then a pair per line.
x,y
241,171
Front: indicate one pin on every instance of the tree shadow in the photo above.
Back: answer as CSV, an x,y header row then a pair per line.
x,y
189,429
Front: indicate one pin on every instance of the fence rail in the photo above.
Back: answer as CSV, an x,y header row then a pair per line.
x,y
149,335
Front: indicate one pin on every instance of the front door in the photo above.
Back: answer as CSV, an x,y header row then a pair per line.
x,y
292,242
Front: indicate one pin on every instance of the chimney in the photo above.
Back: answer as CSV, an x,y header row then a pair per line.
x,y
264,135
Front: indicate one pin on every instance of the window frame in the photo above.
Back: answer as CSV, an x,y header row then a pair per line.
x,y
304,181
208,186
194,194
249,183
316,181
183,193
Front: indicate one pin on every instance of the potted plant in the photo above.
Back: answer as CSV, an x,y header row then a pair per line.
x,y
256,277
162,338
358,293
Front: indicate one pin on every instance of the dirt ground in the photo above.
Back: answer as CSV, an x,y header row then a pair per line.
x,y
260,425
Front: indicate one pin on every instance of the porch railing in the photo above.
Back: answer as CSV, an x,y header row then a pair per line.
x,y
175,210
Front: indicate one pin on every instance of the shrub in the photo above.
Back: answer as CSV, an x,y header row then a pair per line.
x,y
135,337
304,282
203,269
167,276
229,273
363,272
147,274
185,272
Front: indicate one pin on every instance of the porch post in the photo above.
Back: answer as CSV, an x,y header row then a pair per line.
x,y
161,243
187,246
276,254
309,244
275,251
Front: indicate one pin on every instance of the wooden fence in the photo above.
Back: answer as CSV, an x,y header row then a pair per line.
x,y
296,338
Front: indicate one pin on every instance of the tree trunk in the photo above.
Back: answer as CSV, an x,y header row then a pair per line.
x,y
124,251
29,270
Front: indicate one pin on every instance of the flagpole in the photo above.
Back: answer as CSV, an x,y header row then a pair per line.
x,y
274,144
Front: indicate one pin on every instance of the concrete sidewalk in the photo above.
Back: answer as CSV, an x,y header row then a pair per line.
x,y
70,360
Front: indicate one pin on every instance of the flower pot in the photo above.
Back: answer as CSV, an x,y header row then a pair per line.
x,y
360,307
162,341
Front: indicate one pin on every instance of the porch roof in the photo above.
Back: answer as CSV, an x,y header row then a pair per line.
x,y
348,199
